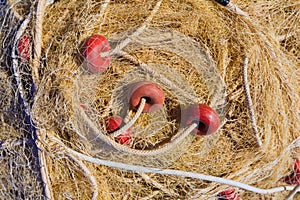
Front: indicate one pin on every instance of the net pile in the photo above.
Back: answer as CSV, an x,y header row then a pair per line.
x,y
244,65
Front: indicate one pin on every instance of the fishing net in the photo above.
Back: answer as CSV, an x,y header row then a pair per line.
x,y
54,111
157,126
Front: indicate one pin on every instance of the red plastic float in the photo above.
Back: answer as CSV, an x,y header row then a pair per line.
x,y
294,177
228,194
92,49
114,124
23,47
153,94
207,119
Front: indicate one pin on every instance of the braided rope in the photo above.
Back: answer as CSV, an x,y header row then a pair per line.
x,y
133,120
40,10
249,102
181,135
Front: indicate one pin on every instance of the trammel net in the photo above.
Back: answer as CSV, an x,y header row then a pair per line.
x,y
170,99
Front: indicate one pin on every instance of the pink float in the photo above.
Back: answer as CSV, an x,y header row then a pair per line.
x,y
114,124
92,50
294,177
207,119
151,92
228,194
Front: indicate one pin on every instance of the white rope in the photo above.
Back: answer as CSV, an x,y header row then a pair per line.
x,y
293,193
159,150
136,168
44,171
249,102
132,121
88,174
38,39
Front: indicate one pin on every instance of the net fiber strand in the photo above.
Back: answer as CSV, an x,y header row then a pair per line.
x,y
240,58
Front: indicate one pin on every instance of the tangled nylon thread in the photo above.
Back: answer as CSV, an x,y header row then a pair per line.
x,y
124,54
176,43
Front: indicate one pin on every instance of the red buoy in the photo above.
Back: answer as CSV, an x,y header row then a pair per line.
x,y
114,124
228,194
294,177
207,119
92,50
23,47
151,92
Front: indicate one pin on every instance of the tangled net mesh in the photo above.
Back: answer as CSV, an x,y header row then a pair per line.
x,y
196,51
